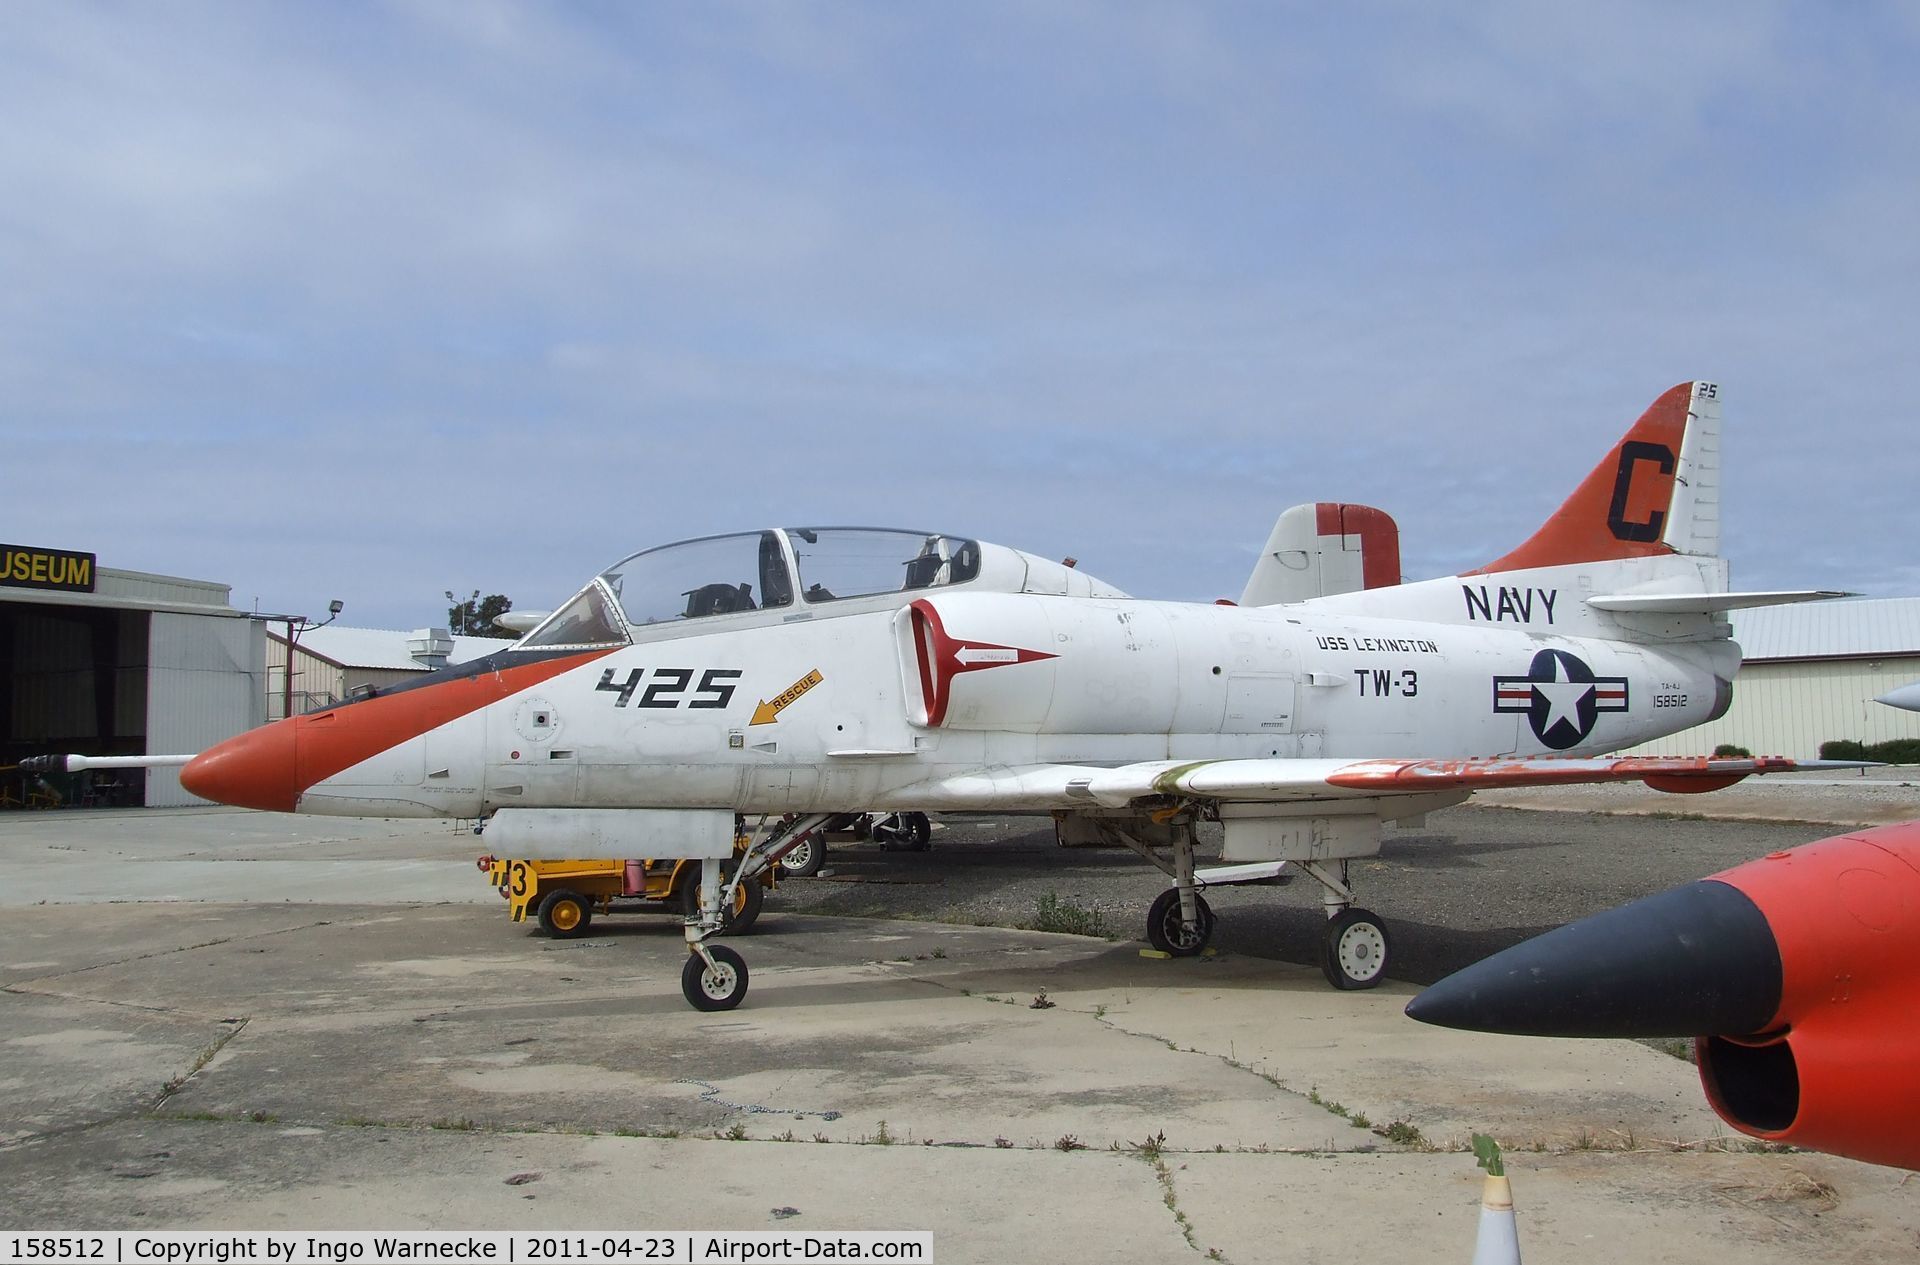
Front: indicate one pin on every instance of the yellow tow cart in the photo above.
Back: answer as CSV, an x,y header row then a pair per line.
x,y
565,895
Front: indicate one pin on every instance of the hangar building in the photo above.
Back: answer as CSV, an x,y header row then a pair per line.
x,y
331,662
109,662
1810,675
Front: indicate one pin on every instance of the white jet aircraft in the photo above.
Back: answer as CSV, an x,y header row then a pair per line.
x,y
785,675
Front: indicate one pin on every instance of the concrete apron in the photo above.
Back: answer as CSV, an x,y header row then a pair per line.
x,y
326,1067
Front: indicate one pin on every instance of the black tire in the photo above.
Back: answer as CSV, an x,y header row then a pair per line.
x,y
720,988
686,897
904,832
1167,933
565,915
1354,950
748,899
806,858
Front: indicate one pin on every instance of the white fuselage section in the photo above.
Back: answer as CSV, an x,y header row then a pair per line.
x,y
874,709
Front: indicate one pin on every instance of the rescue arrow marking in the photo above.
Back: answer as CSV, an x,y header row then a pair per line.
x,y
766,713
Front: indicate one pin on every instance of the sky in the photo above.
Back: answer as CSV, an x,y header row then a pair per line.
x,y
371,301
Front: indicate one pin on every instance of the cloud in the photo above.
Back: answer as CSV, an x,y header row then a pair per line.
x,y
375,301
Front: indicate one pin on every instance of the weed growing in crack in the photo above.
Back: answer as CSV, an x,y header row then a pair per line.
x,y
1050,913
1404,1133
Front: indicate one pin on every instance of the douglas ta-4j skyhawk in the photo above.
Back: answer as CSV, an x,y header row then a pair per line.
x,y
778,677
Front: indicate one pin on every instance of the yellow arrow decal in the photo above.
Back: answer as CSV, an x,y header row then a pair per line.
x,y
766,713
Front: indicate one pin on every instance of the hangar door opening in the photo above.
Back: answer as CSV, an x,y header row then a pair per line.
x,y
72,678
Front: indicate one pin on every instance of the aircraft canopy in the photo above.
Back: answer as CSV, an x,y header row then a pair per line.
x,y
760,570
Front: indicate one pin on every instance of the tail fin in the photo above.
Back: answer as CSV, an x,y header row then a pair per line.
x,y
1657,492
1325,548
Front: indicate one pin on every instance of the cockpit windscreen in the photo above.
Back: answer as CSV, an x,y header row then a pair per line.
x,y
696,578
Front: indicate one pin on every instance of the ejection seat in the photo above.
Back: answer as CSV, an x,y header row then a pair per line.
x,y
719,599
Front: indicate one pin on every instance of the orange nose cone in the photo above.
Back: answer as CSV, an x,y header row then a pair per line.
x,y
254,770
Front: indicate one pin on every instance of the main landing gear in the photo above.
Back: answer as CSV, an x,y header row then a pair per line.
x,y
1179,922
715,976
1354,946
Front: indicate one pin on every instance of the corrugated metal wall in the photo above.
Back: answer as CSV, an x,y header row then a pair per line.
x,y
206,681
316,682
1789,708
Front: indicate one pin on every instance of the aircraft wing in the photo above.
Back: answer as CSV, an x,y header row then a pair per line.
x,y
1309,780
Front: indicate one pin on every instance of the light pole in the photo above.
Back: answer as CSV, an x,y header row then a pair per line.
x,y
454,605
297,624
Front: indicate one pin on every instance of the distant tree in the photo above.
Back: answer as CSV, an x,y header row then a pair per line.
x,y
474,617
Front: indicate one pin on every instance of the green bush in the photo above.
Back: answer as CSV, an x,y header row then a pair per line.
x,y
1727,750
1898,751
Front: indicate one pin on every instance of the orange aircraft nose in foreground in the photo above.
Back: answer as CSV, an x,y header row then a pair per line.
x,y
1797,975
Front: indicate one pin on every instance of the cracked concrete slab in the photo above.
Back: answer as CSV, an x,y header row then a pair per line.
x,y
1021,1095
67,1064
194,1175
1650,1206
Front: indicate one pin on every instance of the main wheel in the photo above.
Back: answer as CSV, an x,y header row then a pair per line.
x,y
1167,933
565,915
905,832
805,858
748,898
716,987
1353,950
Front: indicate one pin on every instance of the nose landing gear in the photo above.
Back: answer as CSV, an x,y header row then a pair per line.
x,y
715,976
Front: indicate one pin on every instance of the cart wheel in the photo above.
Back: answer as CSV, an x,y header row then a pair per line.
x,y
1167,933
1353,950
806,857
565,915
748,899
716,987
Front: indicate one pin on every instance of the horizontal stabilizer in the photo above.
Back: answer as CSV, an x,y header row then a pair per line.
x,y
1907,697
1707,603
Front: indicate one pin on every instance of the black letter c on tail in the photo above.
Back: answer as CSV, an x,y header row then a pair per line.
x,y
1631,454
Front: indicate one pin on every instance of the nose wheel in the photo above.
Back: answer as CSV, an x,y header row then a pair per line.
x,y
715,979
